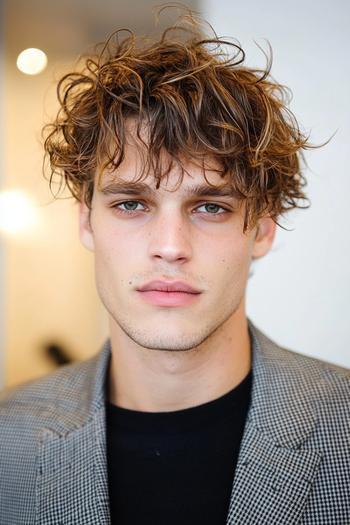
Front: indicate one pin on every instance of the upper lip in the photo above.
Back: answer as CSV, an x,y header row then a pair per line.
x,y
168,286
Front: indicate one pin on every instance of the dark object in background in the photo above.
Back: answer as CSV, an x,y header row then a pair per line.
x,y
57,353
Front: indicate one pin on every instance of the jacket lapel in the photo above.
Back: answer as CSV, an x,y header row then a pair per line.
x,y
72,483
271,482
274,473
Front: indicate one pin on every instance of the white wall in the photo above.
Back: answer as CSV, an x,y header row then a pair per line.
x,y
299,294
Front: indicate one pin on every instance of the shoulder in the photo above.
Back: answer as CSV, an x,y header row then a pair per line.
x,y
57,387
61,400
27,410
52,406
293,366
314,406
299,385
325,384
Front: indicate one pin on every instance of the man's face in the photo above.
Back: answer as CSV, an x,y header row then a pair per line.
x,y
170,236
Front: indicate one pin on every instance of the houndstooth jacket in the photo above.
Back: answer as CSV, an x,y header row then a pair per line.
x,y
293,465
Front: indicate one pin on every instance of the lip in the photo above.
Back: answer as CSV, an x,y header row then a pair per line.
x,y
158,298
168,286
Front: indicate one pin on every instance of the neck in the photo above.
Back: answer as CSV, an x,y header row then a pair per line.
x,y
162,381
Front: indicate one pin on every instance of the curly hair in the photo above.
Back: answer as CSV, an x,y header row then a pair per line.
x,y
197,101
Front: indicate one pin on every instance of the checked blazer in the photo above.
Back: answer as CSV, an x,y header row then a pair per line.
x,y
293,465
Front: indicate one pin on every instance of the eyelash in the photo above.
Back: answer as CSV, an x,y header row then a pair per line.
x,y
131,212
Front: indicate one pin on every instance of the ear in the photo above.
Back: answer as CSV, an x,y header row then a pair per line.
x,y
85,229
264,236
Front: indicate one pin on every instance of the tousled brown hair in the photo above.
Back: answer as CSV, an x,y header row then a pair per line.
x,y
197,101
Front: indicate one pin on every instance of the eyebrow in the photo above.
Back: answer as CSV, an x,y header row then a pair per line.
x,y
198,190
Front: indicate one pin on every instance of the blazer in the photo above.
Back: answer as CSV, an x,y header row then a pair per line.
x,y
293,465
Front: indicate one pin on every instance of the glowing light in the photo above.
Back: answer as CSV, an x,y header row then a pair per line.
x,y
17,212
31,61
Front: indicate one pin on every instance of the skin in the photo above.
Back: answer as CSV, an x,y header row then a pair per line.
x,y
171,358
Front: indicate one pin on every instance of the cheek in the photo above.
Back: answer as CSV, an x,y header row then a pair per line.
x,y
108,254
115,255
234,263
234,252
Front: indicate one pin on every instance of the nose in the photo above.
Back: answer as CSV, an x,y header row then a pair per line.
x,y
170,237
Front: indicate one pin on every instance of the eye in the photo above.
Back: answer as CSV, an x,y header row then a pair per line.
x,y
127,211
211,206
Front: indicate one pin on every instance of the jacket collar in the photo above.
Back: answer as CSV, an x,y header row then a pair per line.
x,y
286,418
282,401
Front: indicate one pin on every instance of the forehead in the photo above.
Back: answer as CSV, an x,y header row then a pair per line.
x,y
194,183
188,176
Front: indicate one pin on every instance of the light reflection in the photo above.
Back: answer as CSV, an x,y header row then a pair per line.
x,y
17,212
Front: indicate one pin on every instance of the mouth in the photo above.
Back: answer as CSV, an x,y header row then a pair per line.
x,y
163,298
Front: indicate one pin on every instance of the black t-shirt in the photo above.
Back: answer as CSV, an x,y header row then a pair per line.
x,y
172,468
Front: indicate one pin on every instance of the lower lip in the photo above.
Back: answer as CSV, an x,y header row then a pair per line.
x,y
169,298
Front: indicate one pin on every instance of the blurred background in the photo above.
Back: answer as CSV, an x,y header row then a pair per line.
x,y
298,294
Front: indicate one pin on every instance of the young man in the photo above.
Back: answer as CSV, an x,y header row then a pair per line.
x,y
182,161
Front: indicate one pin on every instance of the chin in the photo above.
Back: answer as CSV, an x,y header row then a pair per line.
x,y
167,342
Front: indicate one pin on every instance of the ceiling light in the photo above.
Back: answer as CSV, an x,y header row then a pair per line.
x,y
31,61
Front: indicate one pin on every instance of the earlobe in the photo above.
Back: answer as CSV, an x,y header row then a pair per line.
x,y
264,236
85,229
